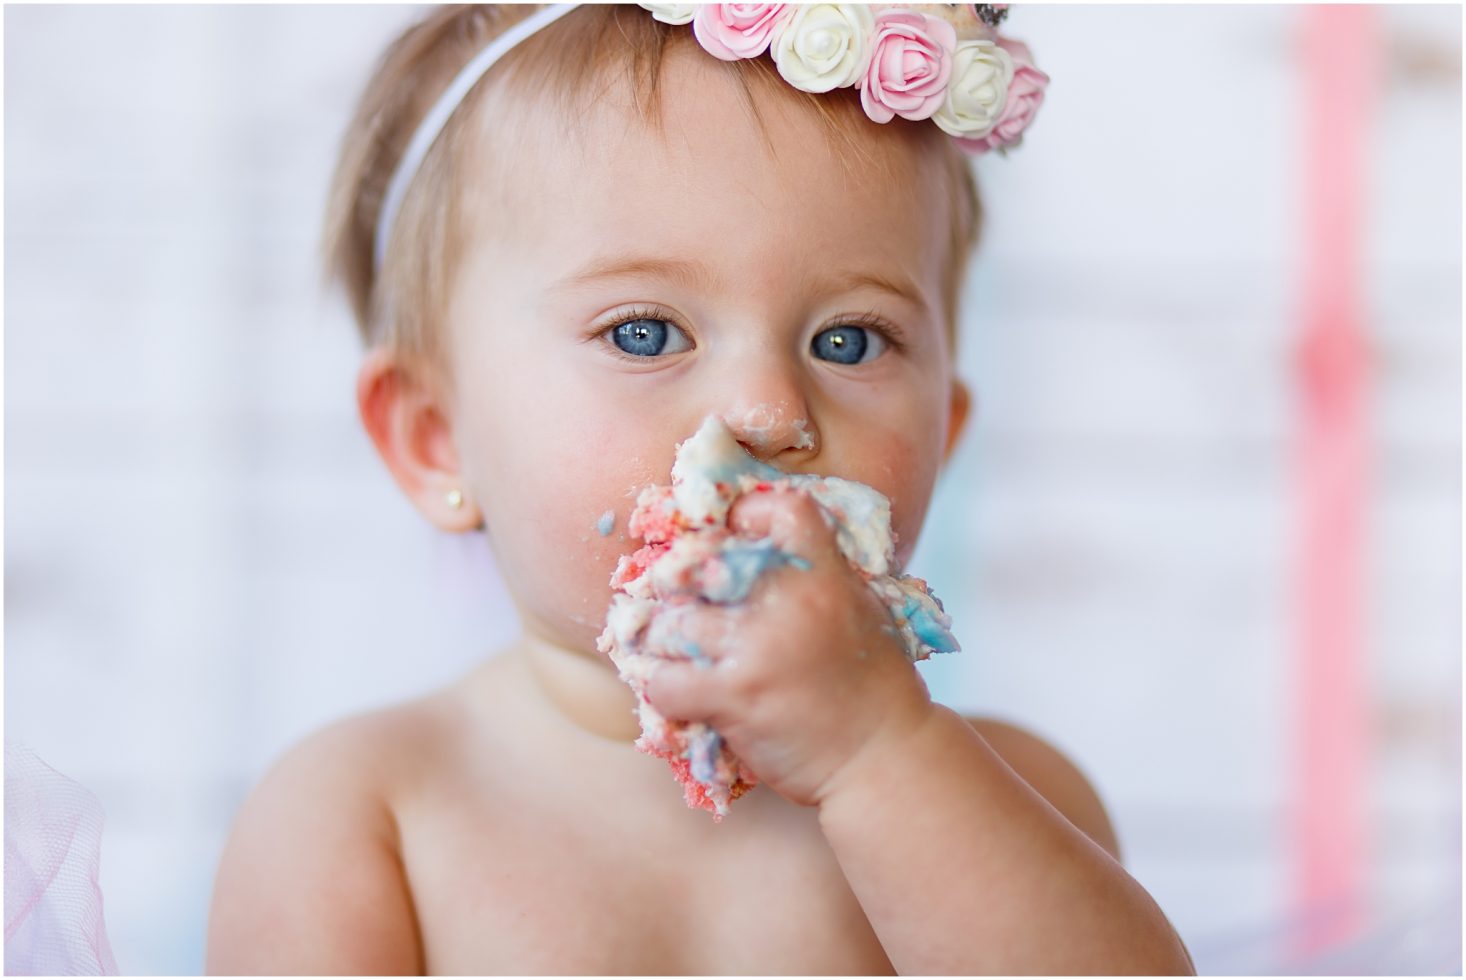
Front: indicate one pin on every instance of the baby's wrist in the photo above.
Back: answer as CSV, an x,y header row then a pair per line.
x,y
905,738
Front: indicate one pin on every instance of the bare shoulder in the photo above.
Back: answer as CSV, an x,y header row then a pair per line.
x,y
311,879
1053,776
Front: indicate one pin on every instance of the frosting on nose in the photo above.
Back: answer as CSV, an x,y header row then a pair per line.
x,y
769,428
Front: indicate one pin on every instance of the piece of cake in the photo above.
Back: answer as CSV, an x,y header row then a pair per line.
x,y
690,556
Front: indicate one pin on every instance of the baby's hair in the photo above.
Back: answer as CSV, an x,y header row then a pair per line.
x,y
570,62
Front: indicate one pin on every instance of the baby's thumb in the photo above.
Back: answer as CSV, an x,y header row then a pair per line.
x,y
792,519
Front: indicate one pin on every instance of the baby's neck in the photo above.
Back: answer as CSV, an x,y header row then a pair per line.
x,y
585,691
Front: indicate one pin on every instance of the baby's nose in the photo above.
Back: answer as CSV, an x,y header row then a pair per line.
x,y
770,429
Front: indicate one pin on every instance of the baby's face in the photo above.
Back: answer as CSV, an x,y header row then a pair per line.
x,y
611,299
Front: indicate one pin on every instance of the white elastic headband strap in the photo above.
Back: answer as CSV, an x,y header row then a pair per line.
x,y
437,117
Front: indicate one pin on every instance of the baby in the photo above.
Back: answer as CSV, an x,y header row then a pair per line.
x,y
562,266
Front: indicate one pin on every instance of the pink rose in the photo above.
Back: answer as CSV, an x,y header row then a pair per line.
x,y
738,30
910,62
1025,95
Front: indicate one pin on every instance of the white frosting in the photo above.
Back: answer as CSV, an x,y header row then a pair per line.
x,y
862,520
706,471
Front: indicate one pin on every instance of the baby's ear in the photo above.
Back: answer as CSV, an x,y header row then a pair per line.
x,y
958,411
405,418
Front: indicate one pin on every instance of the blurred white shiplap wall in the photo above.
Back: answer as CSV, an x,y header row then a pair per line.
x,y
1131,490
204,559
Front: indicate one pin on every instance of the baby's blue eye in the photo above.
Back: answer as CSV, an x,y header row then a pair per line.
x,y
847,345
648,337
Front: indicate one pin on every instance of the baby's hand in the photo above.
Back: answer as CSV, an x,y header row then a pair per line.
x,y
804,674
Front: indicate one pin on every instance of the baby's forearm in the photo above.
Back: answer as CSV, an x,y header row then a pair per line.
x,y
962,868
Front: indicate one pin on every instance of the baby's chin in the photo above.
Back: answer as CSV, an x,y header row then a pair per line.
x,y
560,583
575,632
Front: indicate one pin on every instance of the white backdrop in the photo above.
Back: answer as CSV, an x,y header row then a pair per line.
x,y
204,559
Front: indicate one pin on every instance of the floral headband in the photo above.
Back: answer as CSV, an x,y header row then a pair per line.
x,y
948,65
983,89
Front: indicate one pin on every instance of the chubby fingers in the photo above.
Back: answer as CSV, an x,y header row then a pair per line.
x,y
793,520
690,630
691,692
696,642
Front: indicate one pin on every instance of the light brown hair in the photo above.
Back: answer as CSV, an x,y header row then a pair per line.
x,y
569,62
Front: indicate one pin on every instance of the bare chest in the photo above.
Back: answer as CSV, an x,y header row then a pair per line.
x,y
538,886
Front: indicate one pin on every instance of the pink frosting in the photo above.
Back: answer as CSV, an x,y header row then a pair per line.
x,y
910,63
732,31
1025,95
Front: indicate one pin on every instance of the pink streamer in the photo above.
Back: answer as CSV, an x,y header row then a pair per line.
x,y
1328,818
53,905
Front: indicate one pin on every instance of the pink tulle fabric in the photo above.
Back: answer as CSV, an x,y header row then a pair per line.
x,y
53,905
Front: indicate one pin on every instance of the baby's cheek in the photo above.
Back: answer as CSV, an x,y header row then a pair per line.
x,y
580,518
556,562
906,473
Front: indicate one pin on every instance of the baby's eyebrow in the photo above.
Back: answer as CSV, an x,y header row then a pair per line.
x,y
691,273
684,272
898,286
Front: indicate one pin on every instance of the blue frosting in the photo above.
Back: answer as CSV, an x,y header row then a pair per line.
x,y
695,654
703,756
747,560
927,629
607,521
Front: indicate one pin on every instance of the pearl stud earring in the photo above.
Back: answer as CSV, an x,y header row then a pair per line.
x,y
454,498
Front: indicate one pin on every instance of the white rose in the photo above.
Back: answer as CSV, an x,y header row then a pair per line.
x,y
672,13
824,46
981,73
